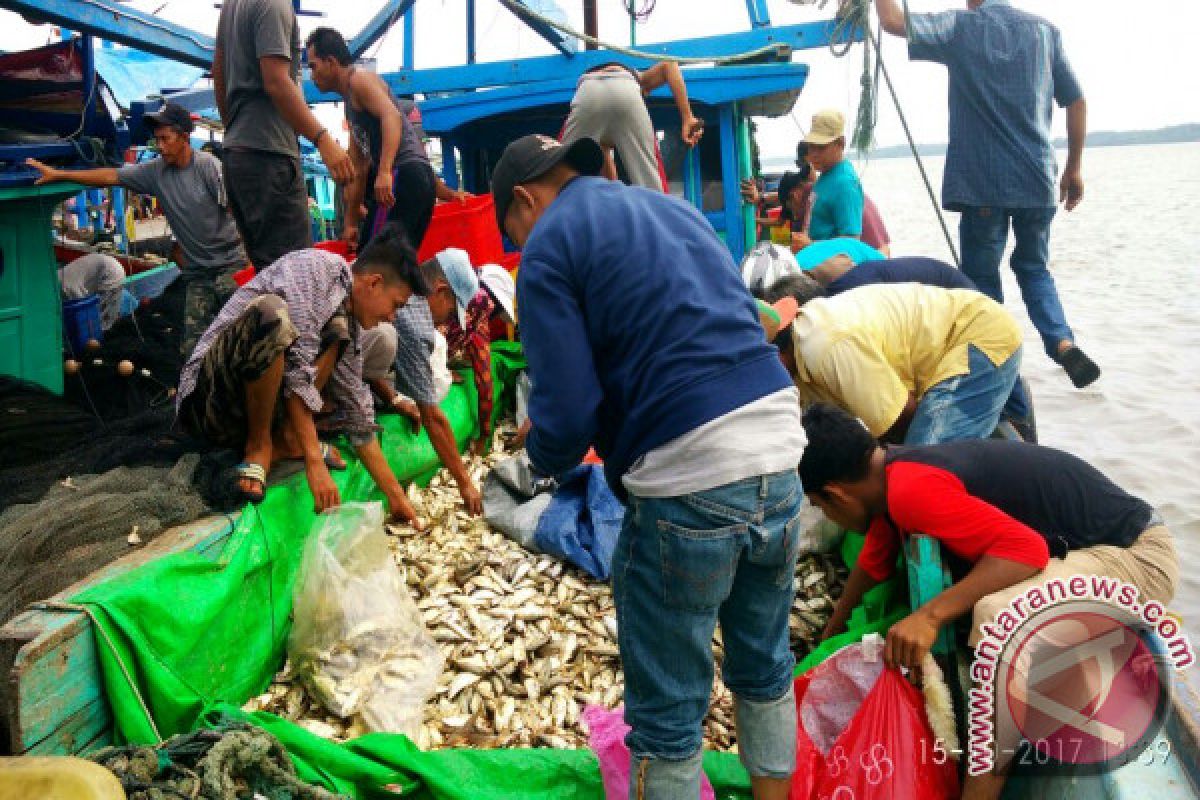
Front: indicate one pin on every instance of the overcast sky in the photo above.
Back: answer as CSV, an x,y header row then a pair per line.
x,y
1138,62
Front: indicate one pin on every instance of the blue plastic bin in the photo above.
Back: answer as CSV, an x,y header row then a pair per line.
x,y
81,321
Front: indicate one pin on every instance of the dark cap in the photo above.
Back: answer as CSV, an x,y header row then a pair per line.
x,y
533,156
171,114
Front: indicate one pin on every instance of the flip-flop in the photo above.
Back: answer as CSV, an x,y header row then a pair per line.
x,y
333,459
251,472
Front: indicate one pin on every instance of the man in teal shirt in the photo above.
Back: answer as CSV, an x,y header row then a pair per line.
x,y
838,209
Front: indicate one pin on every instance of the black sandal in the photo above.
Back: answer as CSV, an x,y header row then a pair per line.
x,y
1080,369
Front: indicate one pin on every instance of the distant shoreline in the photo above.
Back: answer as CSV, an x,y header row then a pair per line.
x,y
1175,134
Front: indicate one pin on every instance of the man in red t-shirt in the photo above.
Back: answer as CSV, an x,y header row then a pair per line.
x,y
1009,515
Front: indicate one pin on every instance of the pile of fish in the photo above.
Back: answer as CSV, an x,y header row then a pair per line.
x,y
527,641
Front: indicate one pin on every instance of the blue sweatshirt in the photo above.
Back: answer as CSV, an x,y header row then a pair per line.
x,y
636,325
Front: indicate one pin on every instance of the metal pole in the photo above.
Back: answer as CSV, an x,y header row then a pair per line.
x,y
410,39
470,31
591,22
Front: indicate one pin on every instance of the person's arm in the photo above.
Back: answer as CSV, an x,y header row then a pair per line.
x,y
876,562
858,584
372,94
564,403
1005,551
1069,95
441,436
100,178
288,100
609,169
371,455
931,37
668,72
353,193
445,194
218,79
1071,188
912,637
891,17
320,482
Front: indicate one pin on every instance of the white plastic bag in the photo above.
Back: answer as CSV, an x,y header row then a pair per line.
x,y
765,264
442,379
357,640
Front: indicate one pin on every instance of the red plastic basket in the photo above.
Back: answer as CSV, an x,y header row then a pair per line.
x,y
510,261
470,226
335,246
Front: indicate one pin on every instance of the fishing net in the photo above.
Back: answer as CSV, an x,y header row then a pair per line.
x,y
233,761
86,522
73,489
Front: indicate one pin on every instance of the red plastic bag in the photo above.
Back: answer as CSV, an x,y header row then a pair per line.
x,y
863,735
606,735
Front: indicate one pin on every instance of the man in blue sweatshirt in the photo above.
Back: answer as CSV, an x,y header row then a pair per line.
x,y
643,341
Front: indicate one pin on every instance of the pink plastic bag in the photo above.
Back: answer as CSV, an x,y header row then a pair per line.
x,y
606,735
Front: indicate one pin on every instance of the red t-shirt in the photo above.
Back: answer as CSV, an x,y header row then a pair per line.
x,y
933,501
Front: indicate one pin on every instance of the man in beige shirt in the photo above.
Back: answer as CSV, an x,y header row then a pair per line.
x,y
917,364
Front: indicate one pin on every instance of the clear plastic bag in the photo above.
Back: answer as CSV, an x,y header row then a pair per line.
x,y
357,641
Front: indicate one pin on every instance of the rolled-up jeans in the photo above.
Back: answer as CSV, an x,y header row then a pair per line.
x,y
682,565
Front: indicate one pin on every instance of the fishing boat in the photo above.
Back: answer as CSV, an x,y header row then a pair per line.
x,y
54,698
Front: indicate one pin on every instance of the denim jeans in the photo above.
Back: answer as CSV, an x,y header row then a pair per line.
x,y
983,234
965,406
682,565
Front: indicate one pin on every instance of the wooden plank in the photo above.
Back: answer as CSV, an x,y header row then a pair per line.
x,y
76,732
54,699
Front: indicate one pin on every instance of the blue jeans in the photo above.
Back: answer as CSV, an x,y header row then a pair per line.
x,y
682,565
983,234
965,406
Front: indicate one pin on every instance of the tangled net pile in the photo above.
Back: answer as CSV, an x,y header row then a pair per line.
x,y
230,762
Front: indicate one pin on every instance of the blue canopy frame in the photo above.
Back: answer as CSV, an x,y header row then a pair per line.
x,y
476,108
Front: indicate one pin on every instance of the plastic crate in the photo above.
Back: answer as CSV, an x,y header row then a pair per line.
x,y
81,322
469,226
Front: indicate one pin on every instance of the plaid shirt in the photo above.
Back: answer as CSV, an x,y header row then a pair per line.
x,y
1006,70
475,345
414,346
314,284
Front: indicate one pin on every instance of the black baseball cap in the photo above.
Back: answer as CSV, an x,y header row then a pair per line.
x,y
171,114
532,156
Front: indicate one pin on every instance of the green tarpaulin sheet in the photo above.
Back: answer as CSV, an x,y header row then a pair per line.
x,y
198,633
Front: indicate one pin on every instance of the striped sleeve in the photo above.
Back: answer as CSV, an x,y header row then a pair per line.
x,y
931,36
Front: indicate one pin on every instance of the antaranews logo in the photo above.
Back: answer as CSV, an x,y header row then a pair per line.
x,y
1079,670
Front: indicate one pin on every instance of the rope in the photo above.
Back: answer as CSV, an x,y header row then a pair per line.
x,y
642,14
230,761
51,605
855,15
524,12
912,145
